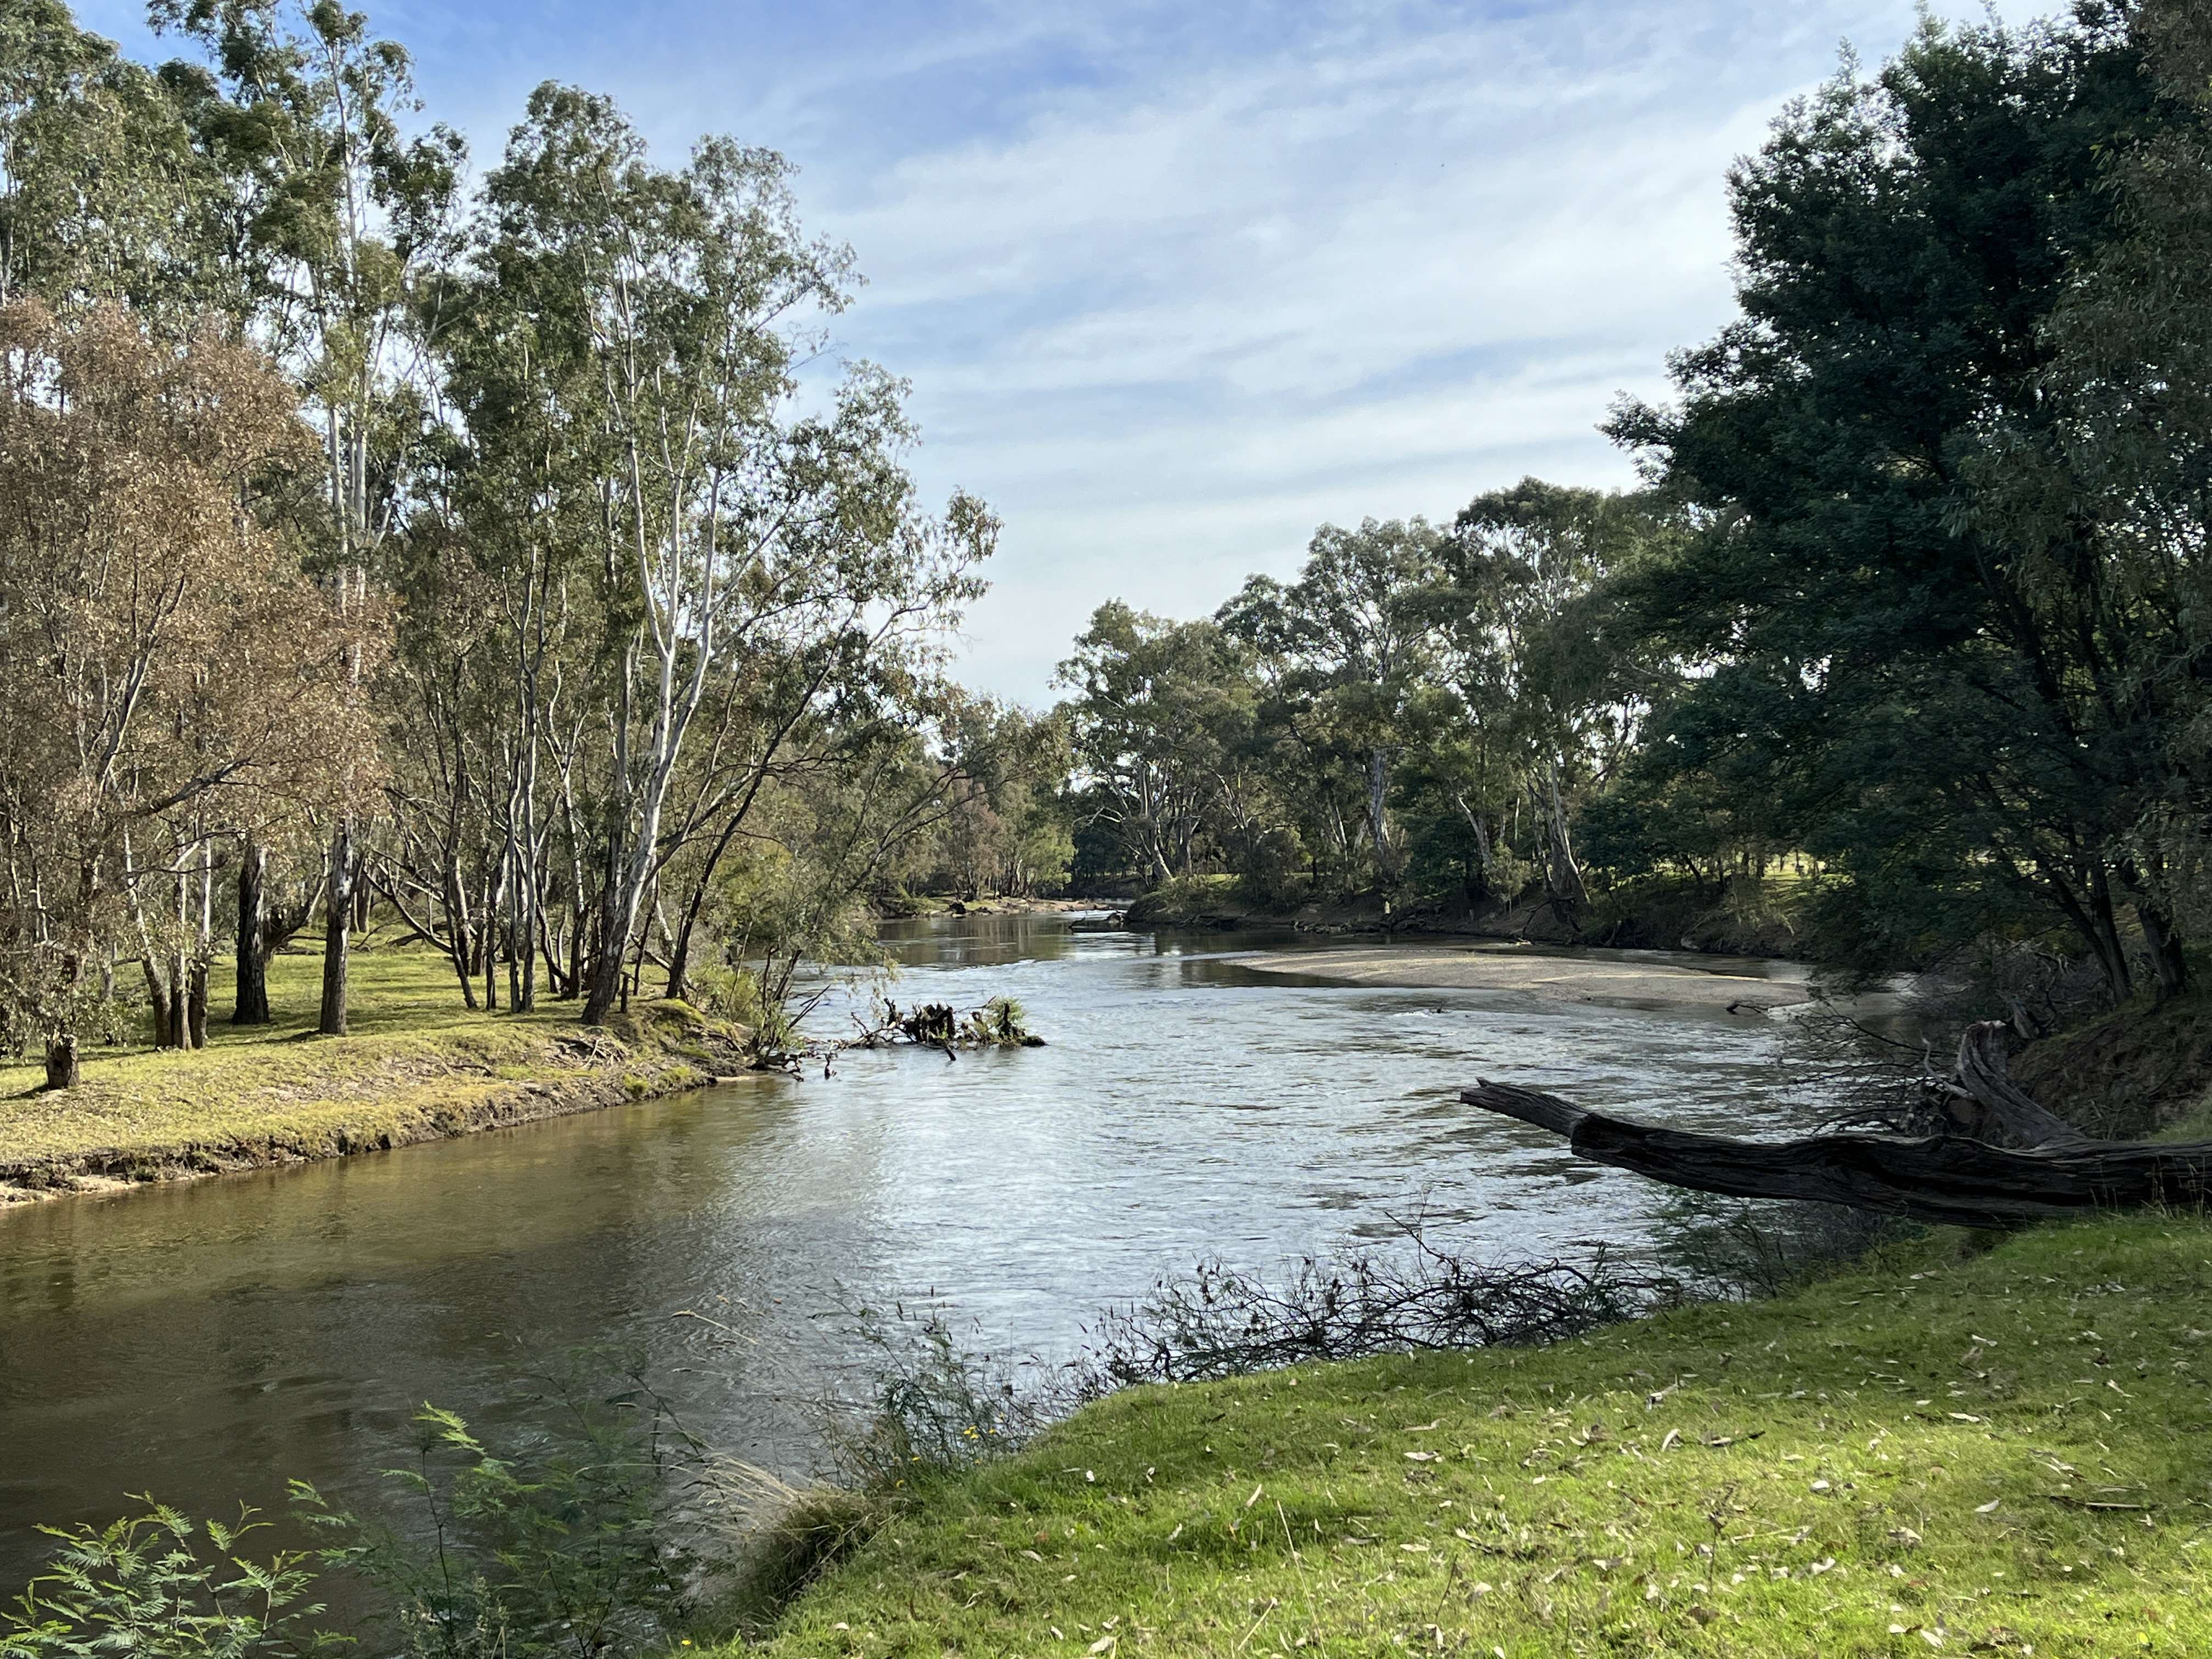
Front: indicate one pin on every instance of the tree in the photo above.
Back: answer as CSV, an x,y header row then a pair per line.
x,y
1961,722
102,197
1160,715
2104,488
333,221
1348,652
162,661
1007,830
645,487
1552,690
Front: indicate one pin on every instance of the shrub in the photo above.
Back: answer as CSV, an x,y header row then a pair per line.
x,y
593,1543
1221,1322
925,1405
159,1586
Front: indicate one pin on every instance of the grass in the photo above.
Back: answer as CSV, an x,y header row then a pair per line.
x,y
416,1065
1945,1450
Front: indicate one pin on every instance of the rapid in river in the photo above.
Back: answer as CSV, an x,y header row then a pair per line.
x,y
204,1341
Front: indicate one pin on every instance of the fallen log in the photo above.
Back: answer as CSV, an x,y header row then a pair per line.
x,y
1951,1179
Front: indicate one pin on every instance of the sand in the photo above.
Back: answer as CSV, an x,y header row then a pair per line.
x,y
1617,980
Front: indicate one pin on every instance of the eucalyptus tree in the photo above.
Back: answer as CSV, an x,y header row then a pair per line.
x,y
1347,651
102,194
162,662
1161,721
333,221
825,839
691,565
1006,832
1551,692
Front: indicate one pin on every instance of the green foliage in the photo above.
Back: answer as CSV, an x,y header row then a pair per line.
x,y
734,994
101,195
923,1407
1965,714
1159,724
160,1586
581,1547
1009,827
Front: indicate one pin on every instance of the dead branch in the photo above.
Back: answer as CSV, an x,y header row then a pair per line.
x,y
1952,1179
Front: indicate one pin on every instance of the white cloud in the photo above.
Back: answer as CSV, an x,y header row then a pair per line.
x,y
1176,284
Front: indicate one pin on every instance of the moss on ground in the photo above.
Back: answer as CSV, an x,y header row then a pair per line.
x,y
1944,1451
417,1065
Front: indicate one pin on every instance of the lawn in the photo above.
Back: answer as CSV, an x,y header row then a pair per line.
x,y
417,1065
1993,1451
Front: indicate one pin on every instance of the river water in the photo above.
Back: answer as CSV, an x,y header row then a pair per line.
x,y
204,1341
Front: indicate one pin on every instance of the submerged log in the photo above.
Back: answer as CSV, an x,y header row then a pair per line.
x,y
1951,1179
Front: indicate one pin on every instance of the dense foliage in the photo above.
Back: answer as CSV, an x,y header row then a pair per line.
x,y
482,561
539,593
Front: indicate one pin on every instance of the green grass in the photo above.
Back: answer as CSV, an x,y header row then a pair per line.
x,y
1942,1451
416,1065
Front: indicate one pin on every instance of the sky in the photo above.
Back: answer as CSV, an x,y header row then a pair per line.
x,y
1176,284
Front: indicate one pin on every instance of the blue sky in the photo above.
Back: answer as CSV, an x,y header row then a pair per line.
x,y
1176,284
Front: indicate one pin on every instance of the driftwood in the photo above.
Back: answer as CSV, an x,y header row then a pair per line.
x,y
1960,1178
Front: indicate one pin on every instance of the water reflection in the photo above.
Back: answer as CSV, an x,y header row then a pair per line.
x,y
207,1340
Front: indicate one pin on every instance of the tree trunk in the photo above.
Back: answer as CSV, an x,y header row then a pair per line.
x,y
160,1002
609,957
1564,871
62,1070
2090,910
251,1007
1485,861
196,1003
1950,1179
1378,825
2166,960
338,919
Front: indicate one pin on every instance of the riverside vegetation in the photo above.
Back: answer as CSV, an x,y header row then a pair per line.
x,y
1950,1444
355,584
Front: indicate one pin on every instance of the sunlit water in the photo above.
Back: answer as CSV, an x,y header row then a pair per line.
x,y
204,1341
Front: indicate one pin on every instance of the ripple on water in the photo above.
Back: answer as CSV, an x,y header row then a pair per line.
x,y
207,1341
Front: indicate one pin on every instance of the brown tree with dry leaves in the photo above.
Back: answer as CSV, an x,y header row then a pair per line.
x,y
171,676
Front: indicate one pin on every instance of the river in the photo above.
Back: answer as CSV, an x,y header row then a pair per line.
x,y
205,1340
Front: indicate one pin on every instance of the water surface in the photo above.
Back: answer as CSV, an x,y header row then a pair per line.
x,y
206,1340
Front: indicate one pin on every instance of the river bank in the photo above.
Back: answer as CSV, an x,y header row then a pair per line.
x,y
1947,1448
1611,981
1771,917
416,1067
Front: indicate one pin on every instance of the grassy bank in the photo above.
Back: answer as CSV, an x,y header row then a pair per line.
x,y
1993,1452
417,1066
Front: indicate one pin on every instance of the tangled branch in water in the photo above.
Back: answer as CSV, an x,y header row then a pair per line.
x,y
1001,1022
1220,1322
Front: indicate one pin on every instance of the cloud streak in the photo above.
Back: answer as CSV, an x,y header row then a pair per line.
x,y
1174,284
